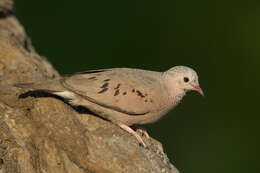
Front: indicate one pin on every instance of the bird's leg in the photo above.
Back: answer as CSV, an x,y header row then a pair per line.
x,y
131,131
143,131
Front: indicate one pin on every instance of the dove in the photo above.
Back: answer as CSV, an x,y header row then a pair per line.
x,y
124,96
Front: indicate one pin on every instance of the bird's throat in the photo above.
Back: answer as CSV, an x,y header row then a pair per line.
x,y
178,97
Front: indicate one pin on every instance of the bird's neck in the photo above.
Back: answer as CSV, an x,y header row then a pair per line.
x,y
174,93
175,96
178,97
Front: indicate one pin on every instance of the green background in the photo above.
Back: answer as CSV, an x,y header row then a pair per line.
x,y
220,39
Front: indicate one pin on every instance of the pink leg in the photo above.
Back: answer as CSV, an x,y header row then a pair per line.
x,y
131,131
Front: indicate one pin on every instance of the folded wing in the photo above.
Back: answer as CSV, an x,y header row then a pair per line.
x,y
129,91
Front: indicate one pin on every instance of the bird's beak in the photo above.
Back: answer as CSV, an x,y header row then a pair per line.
x,y
198,89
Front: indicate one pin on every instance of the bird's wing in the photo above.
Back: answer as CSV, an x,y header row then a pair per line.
x,y
129,91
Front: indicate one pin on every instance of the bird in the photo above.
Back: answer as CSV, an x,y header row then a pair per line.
x,y
125,96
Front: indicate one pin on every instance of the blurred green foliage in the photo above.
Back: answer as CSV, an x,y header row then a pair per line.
x,y
219,39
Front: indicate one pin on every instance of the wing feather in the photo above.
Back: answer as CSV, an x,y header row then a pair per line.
x,y
129,91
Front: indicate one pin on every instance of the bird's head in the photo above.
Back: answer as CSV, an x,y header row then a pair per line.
x,y
183,78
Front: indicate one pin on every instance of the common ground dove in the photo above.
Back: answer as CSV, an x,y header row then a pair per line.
x,y
124,96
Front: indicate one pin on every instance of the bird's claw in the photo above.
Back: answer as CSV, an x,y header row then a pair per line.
x,y
143,132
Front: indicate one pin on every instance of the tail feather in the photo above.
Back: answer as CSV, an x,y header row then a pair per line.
x,y
48,86
23,85
43,89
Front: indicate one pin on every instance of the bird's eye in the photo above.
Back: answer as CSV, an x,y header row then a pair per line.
x,y
186,79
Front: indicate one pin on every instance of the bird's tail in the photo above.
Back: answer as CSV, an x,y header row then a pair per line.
x,y
24,85
48,86
41,89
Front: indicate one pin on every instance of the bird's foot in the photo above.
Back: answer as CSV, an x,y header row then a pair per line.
x,y
131,131
142,131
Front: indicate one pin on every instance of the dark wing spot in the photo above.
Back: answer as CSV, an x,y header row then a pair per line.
x,y
133,90
103,90
145,100
106,80
139,93
92,77
118,85
105,85
124,93
151,100
116,92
